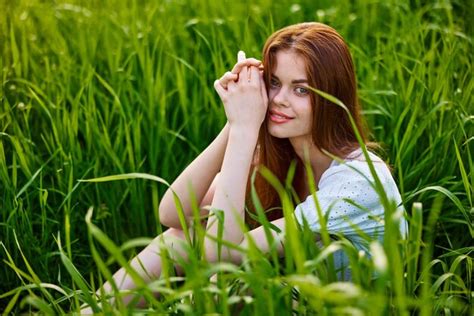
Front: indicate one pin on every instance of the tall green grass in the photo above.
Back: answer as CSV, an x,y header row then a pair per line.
x,y
91,89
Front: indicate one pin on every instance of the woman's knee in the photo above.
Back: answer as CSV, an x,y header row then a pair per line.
x,y
173,244
174,232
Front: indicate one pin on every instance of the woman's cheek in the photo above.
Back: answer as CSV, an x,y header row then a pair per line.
x,y
270,95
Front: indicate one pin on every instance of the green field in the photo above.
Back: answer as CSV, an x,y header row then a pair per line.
x,y
99,88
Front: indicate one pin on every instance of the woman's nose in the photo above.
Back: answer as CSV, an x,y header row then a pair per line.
x,y
281,97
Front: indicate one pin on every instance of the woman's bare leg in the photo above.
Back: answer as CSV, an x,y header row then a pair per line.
x,y
148,264
258,236
260,239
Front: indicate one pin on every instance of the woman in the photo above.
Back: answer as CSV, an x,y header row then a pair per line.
x,y
274,118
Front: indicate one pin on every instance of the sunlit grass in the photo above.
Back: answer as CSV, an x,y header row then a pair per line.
x,y
124,88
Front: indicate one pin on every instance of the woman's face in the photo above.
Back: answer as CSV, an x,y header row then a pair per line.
x,y
290,113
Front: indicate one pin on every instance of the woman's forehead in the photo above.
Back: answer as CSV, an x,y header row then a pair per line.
x,y
290,65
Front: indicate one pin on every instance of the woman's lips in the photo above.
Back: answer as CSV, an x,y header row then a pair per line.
x,y
278,117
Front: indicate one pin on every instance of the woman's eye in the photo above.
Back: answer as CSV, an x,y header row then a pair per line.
x,y
274,83
301,90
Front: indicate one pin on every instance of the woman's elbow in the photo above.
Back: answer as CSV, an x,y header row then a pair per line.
x,y
167,214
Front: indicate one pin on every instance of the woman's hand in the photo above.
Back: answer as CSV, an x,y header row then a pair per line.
x,y
244,95
238,67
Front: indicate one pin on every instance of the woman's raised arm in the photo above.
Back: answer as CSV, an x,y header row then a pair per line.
x,y
245,103
196,179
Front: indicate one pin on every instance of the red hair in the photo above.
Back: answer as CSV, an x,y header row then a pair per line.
x,y
329,68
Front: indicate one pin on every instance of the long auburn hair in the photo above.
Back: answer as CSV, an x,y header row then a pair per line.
x,y
329,68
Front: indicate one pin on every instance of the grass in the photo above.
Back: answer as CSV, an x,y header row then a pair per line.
x,y
93,89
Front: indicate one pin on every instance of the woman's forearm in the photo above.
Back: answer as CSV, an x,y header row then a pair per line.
x,y
195,180
229,195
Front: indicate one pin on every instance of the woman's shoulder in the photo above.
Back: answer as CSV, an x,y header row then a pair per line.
x,y
357,157
355,167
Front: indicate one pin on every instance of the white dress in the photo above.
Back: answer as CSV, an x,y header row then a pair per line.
x,y
339,182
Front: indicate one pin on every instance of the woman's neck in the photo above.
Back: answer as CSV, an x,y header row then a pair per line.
x,y
308,152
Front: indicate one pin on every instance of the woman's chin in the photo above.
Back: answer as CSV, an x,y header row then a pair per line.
x,y
276,133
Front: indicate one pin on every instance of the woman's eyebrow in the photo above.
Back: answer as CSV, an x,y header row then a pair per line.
x,y
293,81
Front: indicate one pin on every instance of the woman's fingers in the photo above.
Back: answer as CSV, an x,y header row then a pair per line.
x,y
245,70
220,89
226,78
258,81
247,75
244,74
254,76
245,63
241,71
